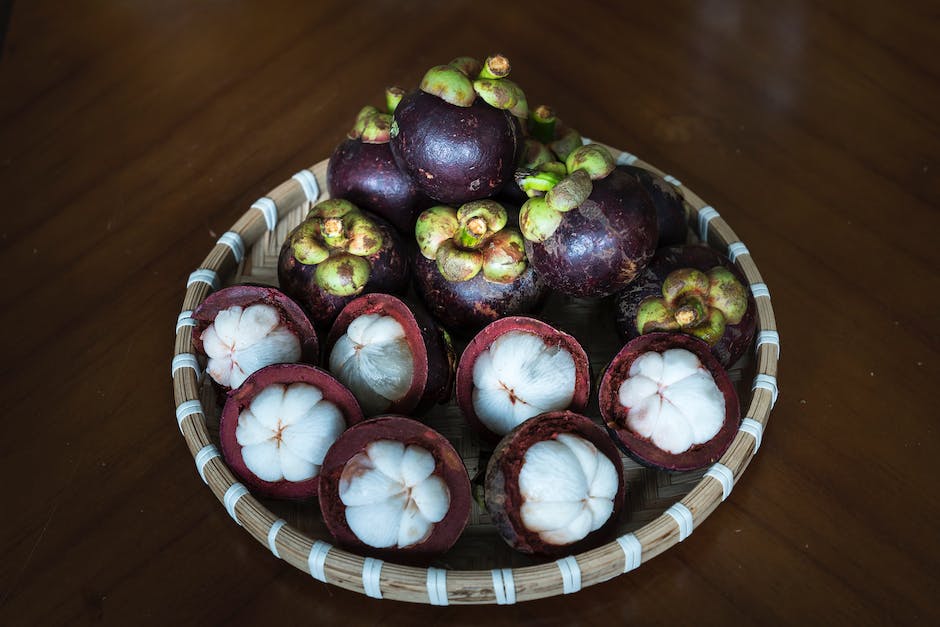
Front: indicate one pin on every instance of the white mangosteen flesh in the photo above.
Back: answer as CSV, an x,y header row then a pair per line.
x,y
242,340
568,489
672,400
286,430
391,494
373,360
520,376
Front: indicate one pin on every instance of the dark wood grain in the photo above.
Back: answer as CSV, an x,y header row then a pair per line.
x,y
133,134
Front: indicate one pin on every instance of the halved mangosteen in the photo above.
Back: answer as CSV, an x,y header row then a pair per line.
x,y
243,328
668,402
593,228
670,210
517,368
337,253
394,488
471,266
692,290
276,428
554,485
392,357
363,170
458,136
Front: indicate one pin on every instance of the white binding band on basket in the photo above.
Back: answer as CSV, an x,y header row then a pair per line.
x,y
308,182
235,492
272,536
683,517
754,428
672,180
437,586
723,475
268,209
185,360
206,453
185,319
769,337
625,158
188,408
766,382
632,551
371,575
204,275
316,561
235,243
570,574
760,289
736,249
705,215
504,586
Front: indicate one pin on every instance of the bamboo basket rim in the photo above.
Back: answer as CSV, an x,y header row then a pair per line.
x,y
435,586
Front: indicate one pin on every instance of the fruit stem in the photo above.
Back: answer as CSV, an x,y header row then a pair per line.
x,y
535,183
542,124
333,232
393,96
496,66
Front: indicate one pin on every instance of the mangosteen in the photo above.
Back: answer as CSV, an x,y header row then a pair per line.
x,y
594,229
394,488
458,136
243,328
517,368
363,171
668,403
394,358
471,267
692,290
670,210
554,485
337,253
277,427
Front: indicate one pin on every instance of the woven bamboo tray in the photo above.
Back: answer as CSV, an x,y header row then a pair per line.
x,y
662,508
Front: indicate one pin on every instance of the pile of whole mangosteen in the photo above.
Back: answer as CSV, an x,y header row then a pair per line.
x,y
484,206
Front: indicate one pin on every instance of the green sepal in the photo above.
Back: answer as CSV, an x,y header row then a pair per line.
x,y
458,265
537,220
449,84
433,227
343,274
570,191
593,158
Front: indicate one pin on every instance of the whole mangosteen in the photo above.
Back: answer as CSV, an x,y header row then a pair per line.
x,y
593,231
471,267
394,488
241,329
692,290
363,170
517,368
276,428
392,357
670,210
668,402
457,136
554,485
337,253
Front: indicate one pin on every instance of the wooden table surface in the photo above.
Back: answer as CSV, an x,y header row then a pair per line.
x,y
132,134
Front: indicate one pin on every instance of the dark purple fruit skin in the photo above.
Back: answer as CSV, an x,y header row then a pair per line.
x,y
737,337
455,154
366,175
604,244
389,275
465,307
670,212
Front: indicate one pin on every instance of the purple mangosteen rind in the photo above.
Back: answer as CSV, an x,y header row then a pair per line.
x,y
433,368
737,338
389,272
465,307
504,500
455,154
246,295
448,465
602,245
366,174
485,338
643,450
670,209
239,399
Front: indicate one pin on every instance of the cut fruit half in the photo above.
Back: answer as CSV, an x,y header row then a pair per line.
x,y
517,368
277,427
669,403
392,487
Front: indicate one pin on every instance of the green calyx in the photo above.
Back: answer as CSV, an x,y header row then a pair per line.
x,y
393,96
537,220
463,79
542,124
372,126
468,65
472,238
570,191
566,141
593,158
540,216
698,303
546,128
333,231
449,84
535,154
